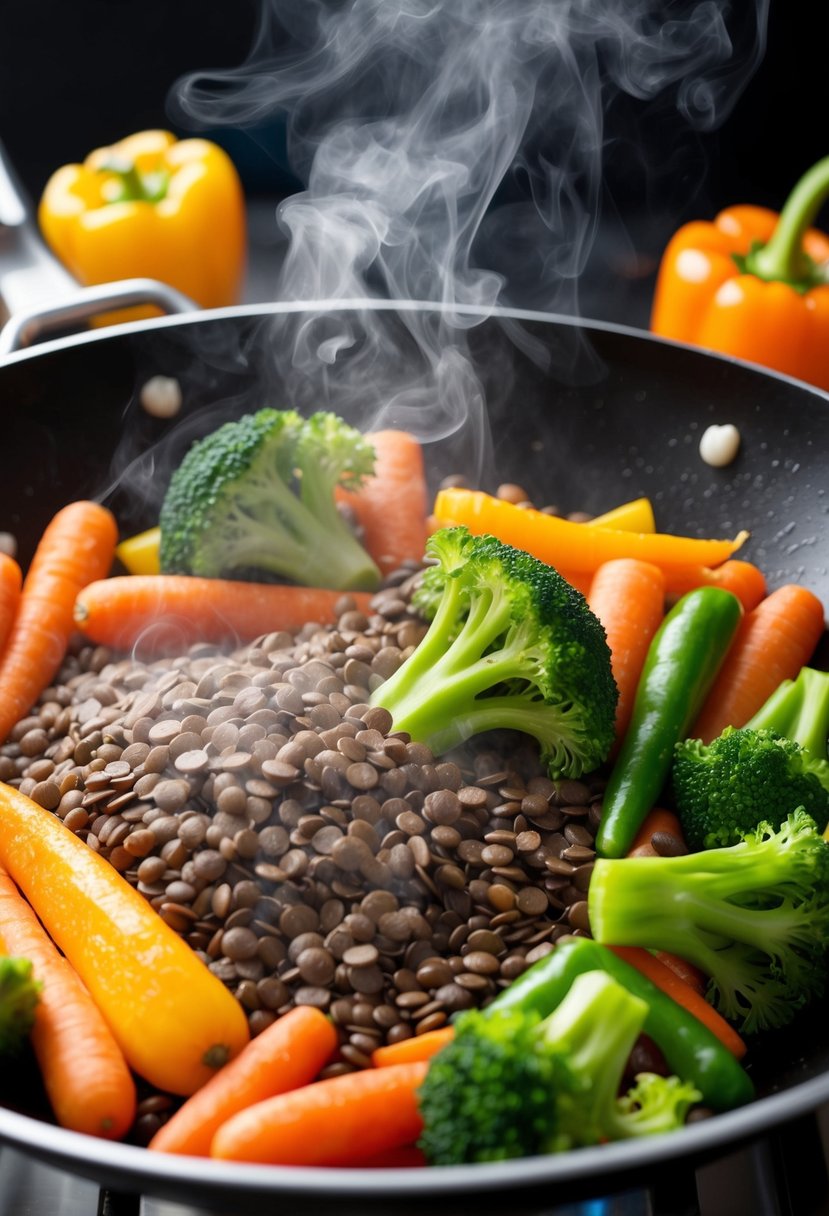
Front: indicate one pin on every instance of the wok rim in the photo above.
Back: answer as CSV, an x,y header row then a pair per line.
x,y
357,303
132,1163
137,1167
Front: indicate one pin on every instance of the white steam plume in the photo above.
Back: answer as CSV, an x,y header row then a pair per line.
x,y
405,118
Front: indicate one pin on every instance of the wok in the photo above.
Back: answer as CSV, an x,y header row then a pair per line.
x,y
614,414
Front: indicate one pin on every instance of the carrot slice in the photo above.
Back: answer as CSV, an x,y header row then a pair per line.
x,y
573,546
287,1054
391,505
772,643
339,1121
628,597
745,580
84,1072
77,546
670,983
175,1022
409,1051
164,612
10,583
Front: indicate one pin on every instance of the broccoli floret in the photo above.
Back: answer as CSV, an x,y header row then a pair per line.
x,y
511,645
258,495
753,917
514,1085
19,995
761,772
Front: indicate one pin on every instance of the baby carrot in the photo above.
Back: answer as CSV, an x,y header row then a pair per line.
x,y
287,1054
391,505
670,983
175,1022
772,643
76,547
687,972
628,597
342,1120
658,820
574,546
10,580
168,611
745,580
409,1051
84,1073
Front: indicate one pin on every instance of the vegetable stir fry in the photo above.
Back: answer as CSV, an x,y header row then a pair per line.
x,y
369,850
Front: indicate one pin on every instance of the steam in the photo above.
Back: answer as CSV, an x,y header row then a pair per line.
x,y
452,151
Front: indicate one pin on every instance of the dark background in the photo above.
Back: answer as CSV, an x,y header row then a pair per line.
x,y
78,73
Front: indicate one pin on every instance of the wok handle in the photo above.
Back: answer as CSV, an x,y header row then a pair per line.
x,y
26,327
38,295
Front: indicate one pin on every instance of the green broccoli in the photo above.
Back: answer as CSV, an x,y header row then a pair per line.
x,y
762,772
511,645
753,917
19,995
513,1085
258,495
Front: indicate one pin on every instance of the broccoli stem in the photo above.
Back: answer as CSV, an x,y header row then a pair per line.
x,y
307,551
462,672
596,1026
799,710
696,918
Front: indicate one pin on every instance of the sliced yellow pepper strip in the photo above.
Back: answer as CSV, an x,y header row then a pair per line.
x,y
633,516
572,546
140,554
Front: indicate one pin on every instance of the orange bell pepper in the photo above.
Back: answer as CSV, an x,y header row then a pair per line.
x,y
151,206
753,284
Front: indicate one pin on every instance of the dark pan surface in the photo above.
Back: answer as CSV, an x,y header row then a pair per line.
x,y
621,417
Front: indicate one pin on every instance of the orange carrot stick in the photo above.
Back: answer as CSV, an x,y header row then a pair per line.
x,y
77,546
84,1073
339,1121
687,972
408,1051
746,581
772,643
574,546
287,1054
669,982
10,581
391,505
657,820
163,612
628,597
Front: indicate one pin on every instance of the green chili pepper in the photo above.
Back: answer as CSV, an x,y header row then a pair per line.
x,y
683,659
690,1049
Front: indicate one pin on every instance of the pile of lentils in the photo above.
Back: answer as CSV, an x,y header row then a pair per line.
x,y
308,853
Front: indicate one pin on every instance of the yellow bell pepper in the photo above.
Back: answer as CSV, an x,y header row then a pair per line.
x,y
151,206
140,553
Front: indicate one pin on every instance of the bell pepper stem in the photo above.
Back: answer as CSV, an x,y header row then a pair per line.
x,y
135,186
783,257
